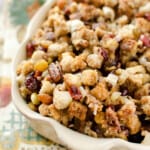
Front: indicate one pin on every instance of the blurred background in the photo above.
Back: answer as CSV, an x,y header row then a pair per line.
x,y
15,132
14,18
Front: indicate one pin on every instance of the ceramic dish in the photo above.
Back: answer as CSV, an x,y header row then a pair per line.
x,y
50,128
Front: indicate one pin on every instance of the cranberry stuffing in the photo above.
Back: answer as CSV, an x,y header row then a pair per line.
x,y
29,49
31,82
75,92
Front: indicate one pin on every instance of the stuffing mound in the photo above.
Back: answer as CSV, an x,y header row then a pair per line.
x,y
88,67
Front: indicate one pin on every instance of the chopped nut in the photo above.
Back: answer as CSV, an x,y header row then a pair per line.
x,y
55,72
75,92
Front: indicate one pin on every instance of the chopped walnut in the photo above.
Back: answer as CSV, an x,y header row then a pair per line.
x,y
55,72
75,92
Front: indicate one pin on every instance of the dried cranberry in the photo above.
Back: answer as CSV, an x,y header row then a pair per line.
x,y
146,40
30,49
75,92
31,82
